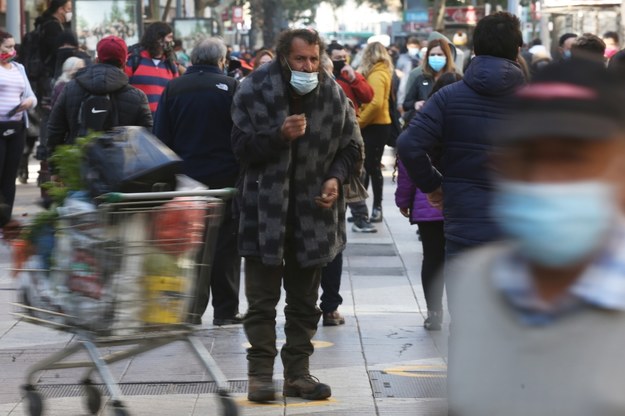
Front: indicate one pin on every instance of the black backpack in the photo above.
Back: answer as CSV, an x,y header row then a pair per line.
x,y
30,55
97,113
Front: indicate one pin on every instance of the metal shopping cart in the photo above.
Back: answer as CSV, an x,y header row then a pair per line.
x,y
121,275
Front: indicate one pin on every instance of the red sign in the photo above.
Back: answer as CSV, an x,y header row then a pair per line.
x,y
466,15
237,14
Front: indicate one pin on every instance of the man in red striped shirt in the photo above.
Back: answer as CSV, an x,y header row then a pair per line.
x,y
153,65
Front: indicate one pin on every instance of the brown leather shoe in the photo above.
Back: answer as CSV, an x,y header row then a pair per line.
x,y
333,318
261,389
307,387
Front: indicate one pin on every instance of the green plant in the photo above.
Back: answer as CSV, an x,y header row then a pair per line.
x,y
67,161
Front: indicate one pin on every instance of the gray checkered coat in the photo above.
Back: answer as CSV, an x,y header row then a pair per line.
x,y
273,168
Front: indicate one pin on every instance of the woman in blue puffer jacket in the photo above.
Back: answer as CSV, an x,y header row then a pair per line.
x,y
414,205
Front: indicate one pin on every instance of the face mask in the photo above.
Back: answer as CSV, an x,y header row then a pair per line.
x,y
168,46
68,17
566,54
556,225
303,82
7,56
437,62
413,52
338,65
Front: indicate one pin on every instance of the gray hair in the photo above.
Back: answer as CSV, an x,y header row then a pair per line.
x,y
209,51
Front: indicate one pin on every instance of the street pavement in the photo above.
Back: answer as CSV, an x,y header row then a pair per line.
x,y
381,362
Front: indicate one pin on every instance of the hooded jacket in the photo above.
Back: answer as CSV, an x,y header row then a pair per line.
x,y
130,103
460,119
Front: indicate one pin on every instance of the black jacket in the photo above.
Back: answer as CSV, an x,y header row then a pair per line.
x,y
193,119
131,104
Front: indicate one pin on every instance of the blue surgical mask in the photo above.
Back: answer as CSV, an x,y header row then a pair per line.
x,y
559,224
303,82
566,54
437,62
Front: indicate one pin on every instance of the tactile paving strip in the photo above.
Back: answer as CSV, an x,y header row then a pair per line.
x,y
146,389
419,385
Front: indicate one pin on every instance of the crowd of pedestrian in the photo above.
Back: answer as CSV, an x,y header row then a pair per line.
x,y
501,140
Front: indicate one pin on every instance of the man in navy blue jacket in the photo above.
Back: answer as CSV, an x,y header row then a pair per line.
x,y
193,119
457,121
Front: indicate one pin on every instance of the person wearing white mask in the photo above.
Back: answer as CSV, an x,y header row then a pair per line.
x,y
296,137
538,322
437,61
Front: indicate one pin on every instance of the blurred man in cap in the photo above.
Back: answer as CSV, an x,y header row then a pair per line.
x,y
540,324
105,78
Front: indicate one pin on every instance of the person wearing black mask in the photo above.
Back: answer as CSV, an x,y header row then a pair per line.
x,y
359,92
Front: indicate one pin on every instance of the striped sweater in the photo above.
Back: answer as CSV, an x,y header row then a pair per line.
x,y
150,78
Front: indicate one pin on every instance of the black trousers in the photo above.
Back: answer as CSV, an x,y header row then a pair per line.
x,y
331,284
12,137
375,137
433,240
262,288
223,279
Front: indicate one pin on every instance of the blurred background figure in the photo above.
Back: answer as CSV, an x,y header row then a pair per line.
x,y
589,46
69,69
16,97
359,92
565,43
413,204
437,61
192,105
68,47
539,322
181,55
611,40
263,56
153,64
375,121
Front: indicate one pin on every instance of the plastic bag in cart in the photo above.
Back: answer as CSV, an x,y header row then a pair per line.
x,y
129,159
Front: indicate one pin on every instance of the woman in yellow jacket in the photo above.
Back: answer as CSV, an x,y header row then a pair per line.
x,y
375,121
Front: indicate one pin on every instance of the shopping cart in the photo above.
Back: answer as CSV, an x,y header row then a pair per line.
x,y
122,274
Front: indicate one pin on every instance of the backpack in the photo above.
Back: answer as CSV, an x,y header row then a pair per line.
x,y
134,59
30,55
96,113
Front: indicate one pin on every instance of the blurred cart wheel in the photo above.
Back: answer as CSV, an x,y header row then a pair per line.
x,y
229,407
120,411
34,402
93,397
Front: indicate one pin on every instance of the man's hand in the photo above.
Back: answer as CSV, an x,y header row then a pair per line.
x,y
419,105
436,198
329,193
349,73
405,212
293,127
